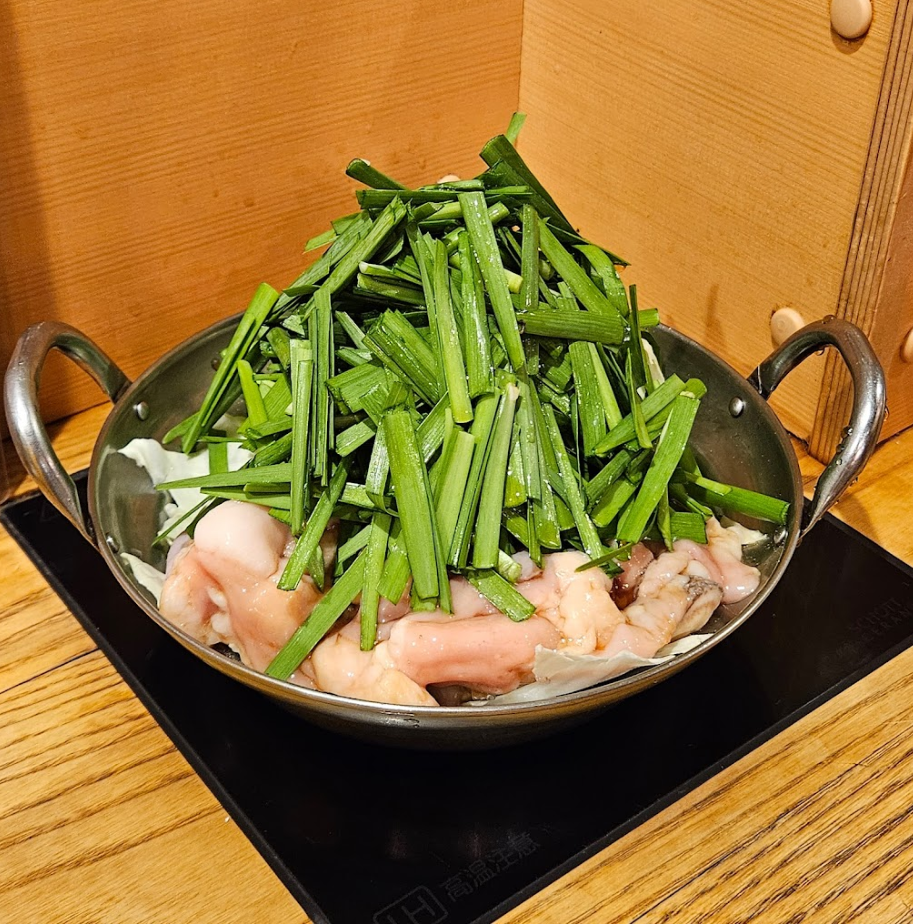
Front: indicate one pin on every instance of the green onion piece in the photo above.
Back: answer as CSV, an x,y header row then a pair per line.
x,y
188,515
373,199
323,617
485,412
320,240
278,398
352,330
309,541
636,348
279,340
573,325
501,594
668,452
609,558
491,502
218,458
410,486
515,482
449,350
390,291
613,501
355,495
529,258
678,493
302,366
279,450
500,153
396,343
648,317
353,545
737,501
497,212
509,569
378,469
606,392
374,566
267,474
430,432
589,398
362,171
572,493
340,224
477,339
365,248
354,231
320,328
655,402
270,428
637,413
574,274
268,499
664,518
351,387
688,526
513,129
607,475
612,285
485,248
396,568
354,437
452,484
241,341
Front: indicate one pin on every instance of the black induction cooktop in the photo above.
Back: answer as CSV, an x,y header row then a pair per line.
x,y
362,833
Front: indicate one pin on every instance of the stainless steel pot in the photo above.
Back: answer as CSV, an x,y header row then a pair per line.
x,y
737,437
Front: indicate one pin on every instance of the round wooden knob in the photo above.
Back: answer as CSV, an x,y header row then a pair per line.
x,y
851,19
906,348
784,322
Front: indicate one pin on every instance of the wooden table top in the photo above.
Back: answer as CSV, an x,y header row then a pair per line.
x,y
101,820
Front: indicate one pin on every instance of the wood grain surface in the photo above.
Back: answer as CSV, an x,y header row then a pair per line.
x,y
101,820
720,147
158,160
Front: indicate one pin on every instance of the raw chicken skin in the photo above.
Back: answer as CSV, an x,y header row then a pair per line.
x,y
222,586
668,599
488,653
578,604
340,666
720,561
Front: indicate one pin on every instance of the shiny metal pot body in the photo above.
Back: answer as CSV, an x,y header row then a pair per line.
x,y
738,440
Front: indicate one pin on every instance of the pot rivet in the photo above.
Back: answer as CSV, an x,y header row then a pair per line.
x,y
216,362
141,409
112,543
736,406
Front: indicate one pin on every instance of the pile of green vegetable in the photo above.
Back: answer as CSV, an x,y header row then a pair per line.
x,y
458,376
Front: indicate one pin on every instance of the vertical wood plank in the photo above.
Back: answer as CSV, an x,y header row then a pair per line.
x,y
876,292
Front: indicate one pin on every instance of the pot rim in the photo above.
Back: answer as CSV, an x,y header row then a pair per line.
x,y
288,692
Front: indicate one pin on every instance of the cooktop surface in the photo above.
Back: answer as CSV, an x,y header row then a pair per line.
x,y
362,833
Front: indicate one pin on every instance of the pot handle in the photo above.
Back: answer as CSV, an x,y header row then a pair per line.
x,y
861,434
24,416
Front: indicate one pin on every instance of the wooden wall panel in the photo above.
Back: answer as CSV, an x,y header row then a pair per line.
x,y
877,289
718,146
159,159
